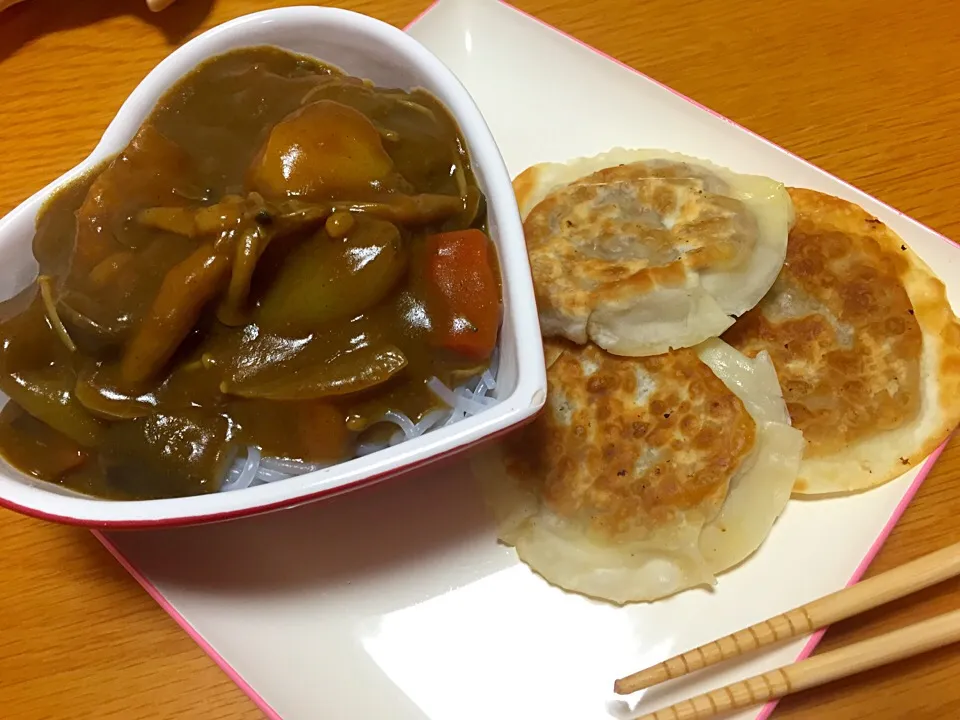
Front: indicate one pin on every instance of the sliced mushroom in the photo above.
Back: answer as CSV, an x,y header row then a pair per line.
x,y
186,289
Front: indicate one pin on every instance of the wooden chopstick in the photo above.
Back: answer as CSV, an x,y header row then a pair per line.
x,y
913,576
817,670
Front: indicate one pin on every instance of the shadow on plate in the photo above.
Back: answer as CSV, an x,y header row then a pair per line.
x,y
25,22
420,527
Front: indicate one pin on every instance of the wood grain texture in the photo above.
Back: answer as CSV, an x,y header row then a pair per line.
x,y
867,89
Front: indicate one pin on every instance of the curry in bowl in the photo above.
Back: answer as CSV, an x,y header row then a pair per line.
x,y
285,261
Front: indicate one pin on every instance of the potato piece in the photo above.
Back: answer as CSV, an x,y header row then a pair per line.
x,y
324,150
323,280
146,172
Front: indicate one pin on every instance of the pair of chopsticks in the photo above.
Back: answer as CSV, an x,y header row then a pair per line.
x,y
819,669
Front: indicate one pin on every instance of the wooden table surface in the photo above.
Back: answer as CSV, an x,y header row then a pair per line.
x,y
867,89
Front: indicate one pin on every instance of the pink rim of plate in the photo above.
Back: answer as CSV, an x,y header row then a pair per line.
x,y
165,605
807,650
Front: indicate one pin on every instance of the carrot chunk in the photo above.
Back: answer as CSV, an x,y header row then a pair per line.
x,y
462,293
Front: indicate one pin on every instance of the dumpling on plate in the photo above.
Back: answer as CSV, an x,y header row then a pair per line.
x,y
865,343
644,251
644,476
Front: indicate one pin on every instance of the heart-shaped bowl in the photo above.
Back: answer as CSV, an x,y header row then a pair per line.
x,y
364,47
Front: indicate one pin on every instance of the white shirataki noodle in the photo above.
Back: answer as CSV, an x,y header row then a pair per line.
x,y
464,401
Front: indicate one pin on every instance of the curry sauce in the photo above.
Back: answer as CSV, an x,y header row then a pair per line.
x,y
282,254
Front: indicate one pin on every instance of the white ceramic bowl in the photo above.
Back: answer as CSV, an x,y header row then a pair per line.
x,y
366,48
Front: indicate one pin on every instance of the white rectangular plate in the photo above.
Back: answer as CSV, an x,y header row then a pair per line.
x,y
397,601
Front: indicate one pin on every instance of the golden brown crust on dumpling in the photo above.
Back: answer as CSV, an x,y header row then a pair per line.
x,y
627,444
840,329
598,511
626,231
644,251
863,340
525,188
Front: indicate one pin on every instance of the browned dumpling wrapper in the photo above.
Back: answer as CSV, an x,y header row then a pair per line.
x,y
644,251
865,343
644,476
